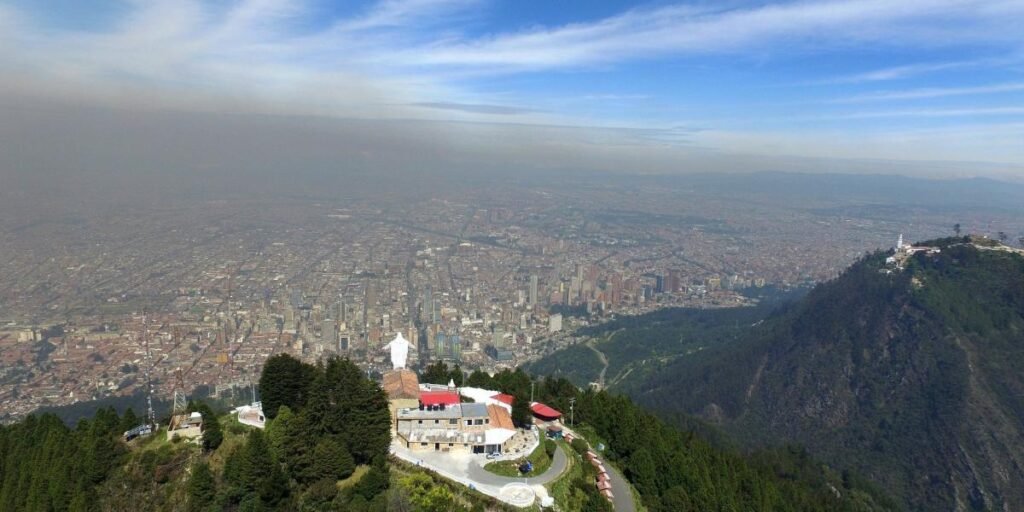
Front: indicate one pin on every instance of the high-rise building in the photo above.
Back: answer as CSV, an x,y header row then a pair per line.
x,y
340,313
498,337
427,305
455,347
659,283
673,281
533,290
440,345
329,333
555,322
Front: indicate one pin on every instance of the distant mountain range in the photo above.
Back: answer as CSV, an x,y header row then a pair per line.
x,y
909,377
855,189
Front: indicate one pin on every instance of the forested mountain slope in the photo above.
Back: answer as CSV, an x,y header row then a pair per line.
x,y
326,449
910,377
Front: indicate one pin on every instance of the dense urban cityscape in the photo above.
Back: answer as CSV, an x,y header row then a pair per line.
x,y
199,294
496,255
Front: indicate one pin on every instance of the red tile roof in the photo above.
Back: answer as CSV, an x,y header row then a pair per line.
x,y
500,418
504,398
401,384
439,397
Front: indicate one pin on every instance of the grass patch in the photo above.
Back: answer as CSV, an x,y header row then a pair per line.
x,y
468,499
561,488
588,433
539,457
234,437
354,478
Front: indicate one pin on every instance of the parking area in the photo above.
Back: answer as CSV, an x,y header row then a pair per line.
x,y
468,469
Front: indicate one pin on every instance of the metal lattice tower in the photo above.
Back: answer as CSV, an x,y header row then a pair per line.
x,y
180,399
150,414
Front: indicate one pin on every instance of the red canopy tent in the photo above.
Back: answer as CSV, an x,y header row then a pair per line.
x,y
544,412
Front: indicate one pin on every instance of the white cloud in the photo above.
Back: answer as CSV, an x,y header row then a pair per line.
x,y
248,57
909,70
398,13
932,92
936,112
688,30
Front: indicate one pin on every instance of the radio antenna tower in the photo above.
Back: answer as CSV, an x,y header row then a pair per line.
x,y
150,415
180,400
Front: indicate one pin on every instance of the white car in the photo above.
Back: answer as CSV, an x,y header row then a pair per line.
x,y
493,455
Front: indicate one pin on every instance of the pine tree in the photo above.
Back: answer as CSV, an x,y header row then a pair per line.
x,y
284,381
212,433
277,430
296,448
260,474
129,420
521,411
374,482
330,460
202,489
436,373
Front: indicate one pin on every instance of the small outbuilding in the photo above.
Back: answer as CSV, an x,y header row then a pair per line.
x,y
544,412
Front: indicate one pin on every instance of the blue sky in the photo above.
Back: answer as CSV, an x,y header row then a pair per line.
x,y
924,82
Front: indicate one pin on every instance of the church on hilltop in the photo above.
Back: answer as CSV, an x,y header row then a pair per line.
x,y
904,250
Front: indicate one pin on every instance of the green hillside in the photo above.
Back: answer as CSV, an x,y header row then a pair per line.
x,y
908,377
326,449
637,347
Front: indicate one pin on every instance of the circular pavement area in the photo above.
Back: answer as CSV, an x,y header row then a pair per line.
x,y
517,494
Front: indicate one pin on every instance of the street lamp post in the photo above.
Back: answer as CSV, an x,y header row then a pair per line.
x,y
572,416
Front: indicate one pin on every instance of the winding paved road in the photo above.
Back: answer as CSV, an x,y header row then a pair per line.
x,y
623,501
477,472
469,469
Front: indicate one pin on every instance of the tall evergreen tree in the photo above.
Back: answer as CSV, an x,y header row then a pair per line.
x,y
284,381
436,373
255,480
480,379
521,410
202,491
277,430
129,420
330,461
213,434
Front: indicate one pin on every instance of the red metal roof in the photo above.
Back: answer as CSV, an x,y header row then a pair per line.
x,y
439,397
504,398
544,411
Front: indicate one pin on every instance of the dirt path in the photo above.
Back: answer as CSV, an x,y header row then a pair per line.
x,y
604,361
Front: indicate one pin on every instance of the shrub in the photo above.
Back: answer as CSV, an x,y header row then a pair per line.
x,y
580,446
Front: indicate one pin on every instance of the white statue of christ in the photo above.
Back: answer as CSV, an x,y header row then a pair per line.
x,y
399,351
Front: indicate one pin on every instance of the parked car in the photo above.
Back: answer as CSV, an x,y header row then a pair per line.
x,y
493,455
